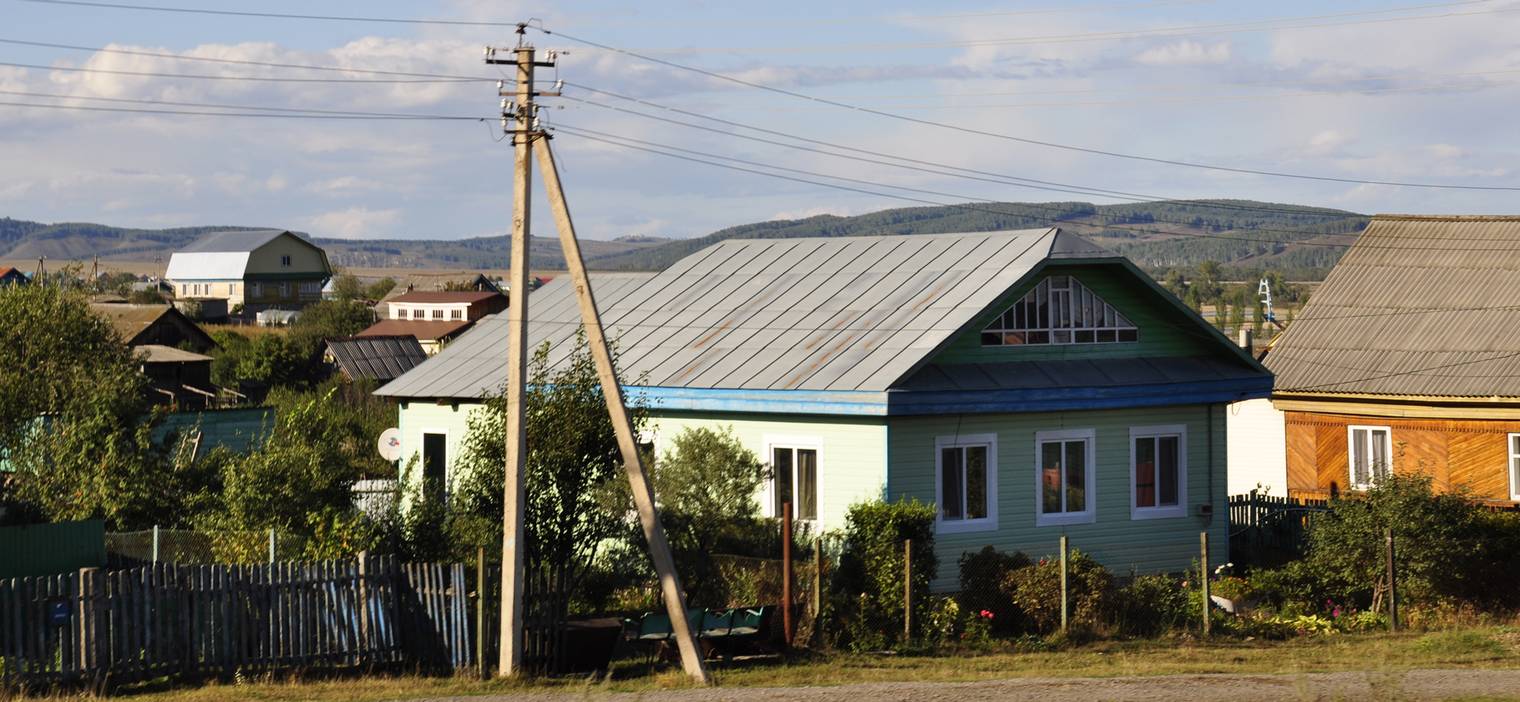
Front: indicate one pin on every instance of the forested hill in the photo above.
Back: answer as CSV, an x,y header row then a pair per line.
x,y
1241,234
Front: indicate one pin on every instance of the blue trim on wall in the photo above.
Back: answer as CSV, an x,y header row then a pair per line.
x,y
1079,398
906,402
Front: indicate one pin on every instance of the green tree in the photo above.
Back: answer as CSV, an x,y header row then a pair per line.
x,y
379,288
146,296
577,492
348,287
706,486
328,319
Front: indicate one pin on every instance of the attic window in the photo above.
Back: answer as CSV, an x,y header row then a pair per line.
x,y
285,261
1060,310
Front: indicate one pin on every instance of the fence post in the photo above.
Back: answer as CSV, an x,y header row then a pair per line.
x,y
818,589
155,544
788,626
92,620
480,610
271,544
1393,597
1065,608
1203,578
907,590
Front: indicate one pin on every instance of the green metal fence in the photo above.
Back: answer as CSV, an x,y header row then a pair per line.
x,y
45,549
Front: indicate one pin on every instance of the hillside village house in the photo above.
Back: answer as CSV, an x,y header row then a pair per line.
x,y
1406,359
435,317
170,350
254,269
1029,383
11,276
437,282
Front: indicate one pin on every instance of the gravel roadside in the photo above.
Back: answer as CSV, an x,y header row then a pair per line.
x,y
1372,685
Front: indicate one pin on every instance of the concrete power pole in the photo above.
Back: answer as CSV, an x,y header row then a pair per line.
x,y
522,113
527,138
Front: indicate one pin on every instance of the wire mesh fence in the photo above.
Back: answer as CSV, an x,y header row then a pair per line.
x,y
134,548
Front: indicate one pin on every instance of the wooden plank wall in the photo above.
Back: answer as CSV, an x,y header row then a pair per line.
x,y
1455,453
98,627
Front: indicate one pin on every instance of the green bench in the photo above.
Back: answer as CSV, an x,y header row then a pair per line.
x,y
718,629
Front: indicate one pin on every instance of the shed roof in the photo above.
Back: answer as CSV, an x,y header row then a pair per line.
x,y
158,353
1420,305
822,314
377,357
422,330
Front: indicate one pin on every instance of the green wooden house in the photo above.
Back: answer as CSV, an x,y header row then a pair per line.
x,y
1029,383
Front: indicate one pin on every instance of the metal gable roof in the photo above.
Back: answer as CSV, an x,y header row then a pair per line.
x,y
378,357
1418,306
233,241
826,314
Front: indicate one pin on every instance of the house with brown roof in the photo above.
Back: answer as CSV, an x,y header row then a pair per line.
x,y
437,282
140,325
1406,360
435,317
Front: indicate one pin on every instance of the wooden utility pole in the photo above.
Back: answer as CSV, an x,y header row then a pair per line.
x,y
633,462
1393,590
523,135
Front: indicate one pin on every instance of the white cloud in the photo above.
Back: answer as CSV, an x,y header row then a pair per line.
x,y
355,223
1185,53
1328,141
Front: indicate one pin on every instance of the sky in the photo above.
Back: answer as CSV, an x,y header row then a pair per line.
x,y
1366,91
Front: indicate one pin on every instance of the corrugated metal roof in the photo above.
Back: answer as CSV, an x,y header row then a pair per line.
x,y
842,313
377,357
206,265
1418,306
237,241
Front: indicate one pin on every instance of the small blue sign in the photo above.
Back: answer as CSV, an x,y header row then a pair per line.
x,y
58,612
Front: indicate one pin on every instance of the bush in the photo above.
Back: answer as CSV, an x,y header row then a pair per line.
x,y
1151,605
868,585
1036,591
982,577
1448,549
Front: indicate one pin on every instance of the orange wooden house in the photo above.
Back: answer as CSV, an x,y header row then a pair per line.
x,y
1407,359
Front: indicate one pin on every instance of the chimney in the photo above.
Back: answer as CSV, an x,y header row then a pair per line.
x,y
1245,340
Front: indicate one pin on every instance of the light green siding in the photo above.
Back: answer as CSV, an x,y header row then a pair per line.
x,y
1121,543
417,418
1163,331
852,453
305,260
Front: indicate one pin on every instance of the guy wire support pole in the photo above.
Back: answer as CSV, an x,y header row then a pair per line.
x,y
518,118
633,462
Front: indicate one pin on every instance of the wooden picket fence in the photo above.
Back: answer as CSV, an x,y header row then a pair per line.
x,y
1263,526
103,628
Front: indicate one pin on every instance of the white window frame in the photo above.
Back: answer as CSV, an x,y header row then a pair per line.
x,y
957,526
1514,467
255,290
773,442
1351,449
1090,475
285,261
1159,511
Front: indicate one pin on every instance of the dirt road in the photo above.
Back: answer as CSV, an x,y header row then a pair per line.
x,y
1401,685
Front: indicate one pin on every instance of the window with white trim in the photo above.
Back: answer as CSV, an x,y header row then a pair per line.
x,y
284,290
416,313
285,261
456,313
1514,467
1065,477
1060,310
965,469
1158,471
794,479
438,314
255,290
1369,451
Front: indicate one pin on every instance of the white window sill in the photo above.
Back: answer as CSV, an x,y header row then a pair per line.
x,y
1065,519
964,526
1142,513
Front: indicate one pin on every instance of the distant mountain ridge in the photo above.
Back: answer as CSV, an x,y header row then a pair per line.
x,y
1243,234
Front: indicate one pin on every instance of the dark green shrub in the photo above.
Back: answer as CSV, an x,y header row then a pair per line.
x,y
1448,548
982,577
868,585
1036,591
1151,605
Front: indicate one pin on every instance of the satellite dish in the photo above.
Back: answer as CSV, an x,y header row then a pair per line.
x,y
389,444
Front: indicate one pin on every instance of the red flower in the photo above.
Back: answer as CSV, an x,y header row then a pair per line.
x,y
986,614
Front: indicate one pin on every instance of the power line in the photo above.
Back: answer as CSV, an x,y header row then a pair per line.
x,y
1270,24
257,108
923,191
1021,140
660,149
1397,374
244,62
1003,177
201,76
303,115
